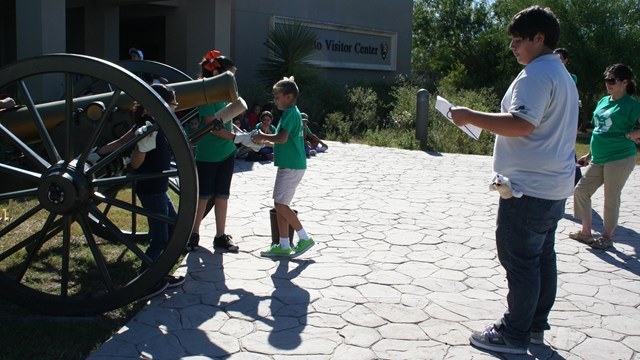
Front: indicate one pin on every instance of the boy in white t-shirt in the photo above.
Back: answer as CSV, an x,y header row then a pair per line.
x,y
535,148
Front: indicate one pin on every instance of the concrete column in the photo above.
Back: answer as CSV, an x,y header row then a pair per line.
x,y
195,28
189,34
102,31
40,27
222,25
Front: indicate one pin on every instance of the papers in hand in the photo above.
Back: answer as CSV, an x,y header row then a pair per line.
x,y
444,107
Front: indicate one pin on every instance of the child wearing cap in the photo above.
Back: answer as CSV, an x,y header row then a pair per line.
x,y
136,54
289,156
312,143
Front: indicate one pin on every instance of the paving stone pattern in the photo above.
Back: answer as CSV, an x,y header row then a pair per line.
x,y
405,267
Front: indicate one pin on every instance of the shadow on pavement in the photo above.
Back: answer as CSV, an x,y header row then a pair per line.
x,y
613,256
289,305
287,310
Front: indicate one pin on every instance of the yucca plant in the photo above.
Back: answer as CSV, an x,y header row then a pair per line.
x,y
289,46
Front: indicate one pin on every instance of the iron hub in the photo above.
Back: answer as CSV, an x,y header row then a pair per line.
x,y
63,189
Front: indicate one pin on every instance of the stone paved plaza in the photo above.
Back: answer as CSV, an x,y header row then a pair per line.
x,y
405,267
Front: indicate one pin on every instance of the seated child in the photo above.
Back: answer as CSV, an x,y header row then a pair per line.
x,y
312,143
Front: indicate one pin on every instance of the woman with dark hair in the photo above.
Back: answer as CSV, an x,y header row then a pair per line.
x,y
612,154
265,126
215,159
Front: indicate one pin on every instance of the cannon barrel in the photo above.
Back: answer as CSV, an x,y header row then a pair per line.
x,y
190,94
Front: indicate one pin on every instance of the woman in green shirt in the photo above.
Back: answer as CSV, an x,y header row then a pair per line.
x,y
215,158
612,154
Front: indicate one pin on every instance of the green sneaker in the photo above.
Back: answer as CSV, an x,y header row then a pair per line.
x,y
276,250
302,247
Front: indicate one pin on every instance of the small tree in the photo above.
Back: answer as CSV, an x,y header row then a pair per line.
x,y
289,45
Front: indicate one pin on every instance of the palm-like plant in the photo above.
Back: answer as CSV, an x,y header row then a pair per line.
x,y
289,45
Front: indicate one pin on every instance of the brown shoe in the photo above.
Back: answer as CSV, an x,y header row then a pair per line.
x,y
602,243
585,239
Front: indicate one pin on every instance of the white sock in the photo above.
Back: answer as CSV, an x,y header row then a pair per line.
x,y
302,234
284,243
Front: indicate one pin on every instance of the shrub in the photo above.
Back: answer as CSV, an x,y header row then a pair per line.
x,y
319,99
357,113
443,136
337,127
396,138
403,108
362,102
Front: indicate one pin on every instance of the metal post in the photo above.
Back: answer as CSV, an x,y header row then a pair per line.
x,y
422,117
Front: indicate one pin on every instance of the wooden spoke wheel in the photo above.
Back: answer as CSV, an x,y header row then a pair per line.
x,y
68,235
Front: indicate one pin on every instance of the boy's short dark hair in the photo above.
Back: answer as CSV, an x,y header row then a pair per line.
x,y
165,92
533,20
287,86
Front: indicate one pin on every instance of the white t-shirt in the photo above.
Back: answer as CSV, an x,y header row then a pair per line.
x,y
541,164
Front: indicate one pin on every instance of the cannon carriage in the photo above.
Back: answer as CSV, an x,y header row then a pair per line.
x,y
73,233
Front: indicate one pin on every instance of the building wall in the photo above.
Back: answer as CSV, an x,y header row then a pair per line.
x,y
252,21
192,27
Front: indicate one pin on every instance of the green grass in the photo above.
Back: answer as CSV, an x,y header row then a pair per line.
x,y
24,335
27,335
582,144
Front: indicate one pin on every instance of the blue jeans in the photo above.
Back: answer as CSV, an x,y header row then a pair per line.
x,y
159,230
525,239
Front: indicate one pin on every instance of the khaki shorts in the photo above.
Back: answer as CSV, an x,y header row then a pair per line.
x,y
287,181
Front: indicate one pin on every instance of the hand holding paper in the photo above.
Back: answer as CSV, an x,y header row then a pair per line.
x,y
444,107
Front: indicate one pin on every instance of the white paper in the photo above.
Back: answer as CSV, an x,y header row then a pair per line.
x,y
443,106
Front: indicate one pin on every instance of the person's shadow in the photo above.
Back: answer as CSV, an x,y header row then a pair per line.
x,y
613,256
289,305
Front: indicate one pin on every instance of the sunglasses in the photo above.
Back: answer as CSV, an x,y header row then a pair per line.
x,y
611,81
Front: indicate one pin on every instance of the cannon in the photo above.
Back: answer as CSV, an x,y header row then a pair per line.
x,y
73,234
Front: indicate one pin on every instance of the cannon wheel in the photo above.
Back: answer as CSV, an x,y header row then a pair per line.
x,y
52,257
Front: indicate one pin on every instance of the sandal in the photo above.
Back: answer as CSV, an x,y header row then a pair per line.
x,y
602,243
586,239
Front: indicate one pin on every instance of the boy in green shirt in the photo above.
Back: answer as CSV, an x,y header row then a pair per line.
x,y
290,158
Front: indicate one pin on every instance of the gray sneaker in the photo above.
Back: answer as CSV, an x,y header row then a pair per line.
x,y
491,339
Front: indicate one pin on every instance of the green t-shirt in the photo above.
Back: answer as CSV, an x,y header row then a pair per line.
x,y
213,148
271,127
290,155
612,120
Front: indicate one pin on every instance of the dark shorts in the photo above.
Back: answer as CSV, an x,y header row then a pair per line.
x,y
214,178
